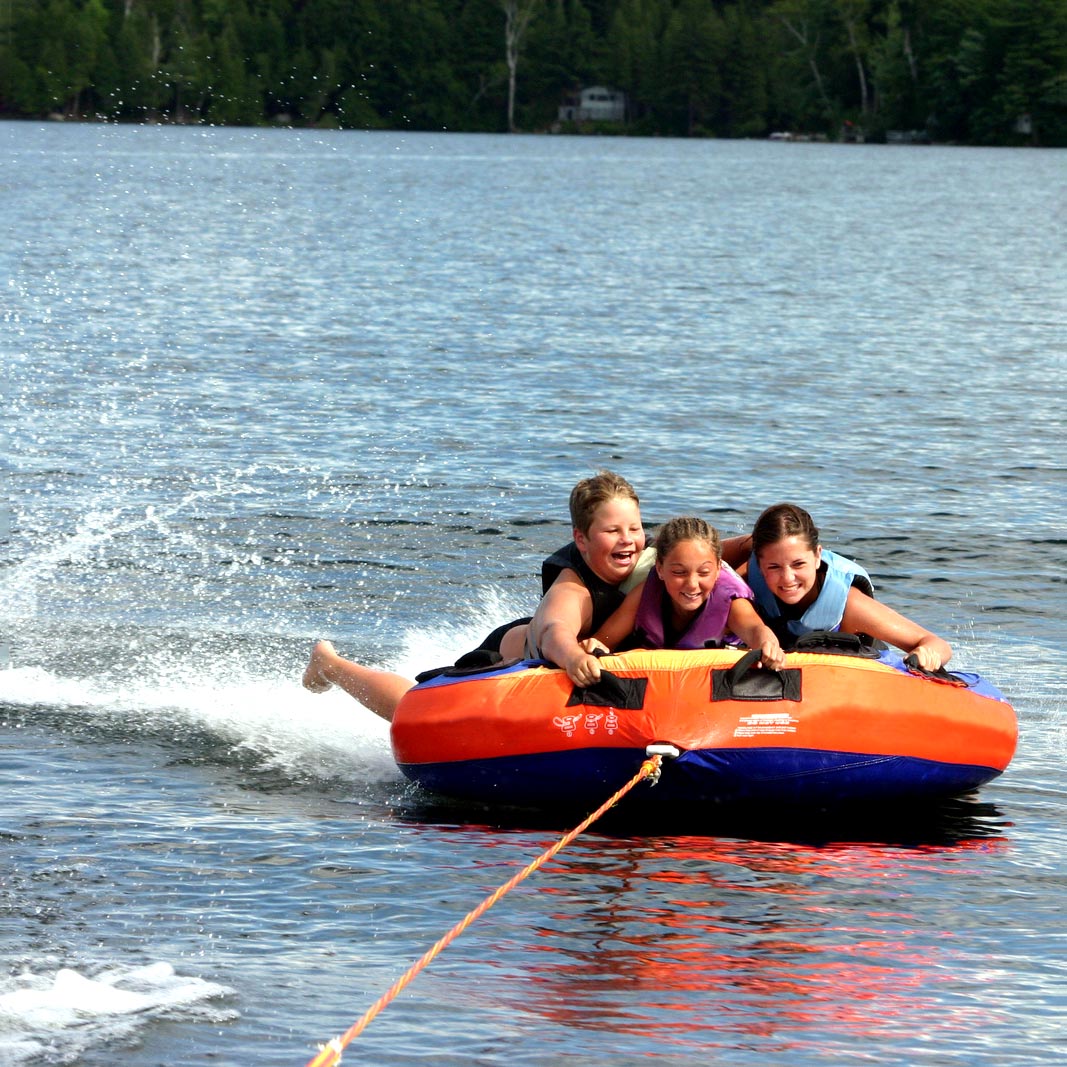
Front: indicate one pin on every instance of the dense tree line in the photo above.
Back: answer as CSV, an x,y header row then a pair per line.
x,y
969,71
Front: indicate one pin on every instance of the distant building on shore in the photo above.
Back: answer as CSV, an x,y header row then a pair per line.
x,y
595,103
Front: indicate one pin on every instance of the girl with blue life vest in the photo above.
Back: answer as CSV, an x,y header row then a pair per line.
x,y
689,600
800,587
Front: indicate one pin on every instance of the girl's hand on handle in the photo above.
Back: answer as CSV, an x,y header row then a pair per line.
x,y
929,658
771,655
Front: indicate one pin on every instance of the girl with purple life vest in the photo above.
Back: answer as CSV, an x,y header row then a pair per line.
x,y
689,600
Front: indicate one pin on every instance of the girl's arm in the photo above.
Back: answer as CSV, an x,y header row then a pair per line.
x,y
736,550
620,623
746,624
864,615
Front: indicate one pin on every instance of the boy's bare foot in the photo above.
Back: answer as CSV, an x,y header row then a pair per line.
x,y
314,676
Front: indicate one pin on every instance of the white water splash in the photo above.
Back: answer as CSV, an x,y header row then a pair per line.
x,y
67,1013
434,646
287,728
259,708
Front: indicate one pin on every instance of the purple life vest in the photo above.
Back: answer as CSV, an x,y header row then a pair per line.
x,y
709,624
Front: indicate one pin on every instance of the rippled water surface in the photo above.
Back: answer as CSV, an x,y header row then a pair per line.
x,y
264,386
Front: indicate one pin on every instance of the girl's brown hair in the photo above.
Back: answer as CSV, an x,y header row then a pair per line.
x,y
686,528
781,521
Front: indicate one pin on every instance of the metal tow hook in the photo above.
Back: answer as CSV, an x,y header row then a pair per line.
x,y
664,751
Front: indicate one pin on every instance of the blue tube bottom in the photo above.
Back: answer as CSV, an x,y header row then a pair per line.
x,y
801,777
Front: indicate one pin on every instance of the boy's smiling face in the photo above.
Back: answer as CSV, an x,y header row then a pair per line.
x,y
614,541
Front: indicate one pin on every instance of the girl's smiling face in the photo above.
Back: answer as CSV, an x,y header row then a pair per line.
x,y
688,572
790,569
614,540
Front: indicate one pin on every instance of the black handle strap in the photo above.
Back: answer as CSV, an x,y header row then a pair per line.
x,y
611,692
743,681
911,661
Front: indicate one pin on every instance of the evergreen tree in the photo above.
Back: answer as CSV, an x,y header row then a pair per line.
x,y
805,30
693,53
482,71
894,73
1030,97
634,51
747,71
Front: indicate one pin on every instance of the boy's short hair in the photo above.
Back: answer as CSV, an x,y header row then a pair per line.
x,y
590,493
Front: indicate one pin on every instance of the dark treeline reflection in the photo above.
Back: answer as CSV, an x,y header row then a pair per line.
x,y
968,71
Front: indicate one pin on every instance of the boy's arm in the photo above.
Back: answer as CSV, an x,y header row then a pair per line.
x,y
736,550
566,611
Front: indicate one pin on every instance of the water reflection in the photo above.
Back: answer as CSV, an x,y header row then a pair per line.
x,y
788,943
944,823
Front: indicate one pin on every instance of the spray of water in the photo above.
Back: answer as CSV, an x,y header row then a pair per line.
x,y
64,1013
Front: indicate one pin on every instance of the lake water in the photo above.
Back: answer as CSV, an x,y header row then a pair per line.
x,y
265,386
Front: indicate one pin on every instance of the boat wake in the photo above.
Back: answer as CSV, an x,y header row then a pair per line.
x,y
235,699
57,1017
269,723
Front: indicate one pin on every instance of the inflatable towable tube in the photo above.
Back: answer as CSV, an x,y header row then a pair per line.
x,y
828,729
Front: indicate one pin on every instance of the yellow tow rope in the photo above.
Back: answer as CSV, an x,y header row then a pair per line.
x,y
330,1054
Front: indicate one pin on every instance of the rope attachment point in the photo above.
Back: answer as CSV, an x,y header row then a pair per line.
x,y
657,753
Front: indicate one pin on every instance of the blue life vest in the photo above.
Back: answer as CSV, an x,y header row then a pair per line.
x,y
839,574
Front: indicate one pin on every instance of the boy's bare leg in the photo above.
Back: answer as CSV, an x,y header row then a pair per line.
x,y
378,691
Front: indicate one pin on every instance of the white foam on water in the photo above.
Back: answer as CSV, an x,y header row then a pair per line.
x,y
66,1013
440,643
273,719
260,709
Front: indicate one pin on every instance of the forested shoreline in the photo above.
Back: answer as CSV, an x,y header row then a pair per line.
x,y
988,72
